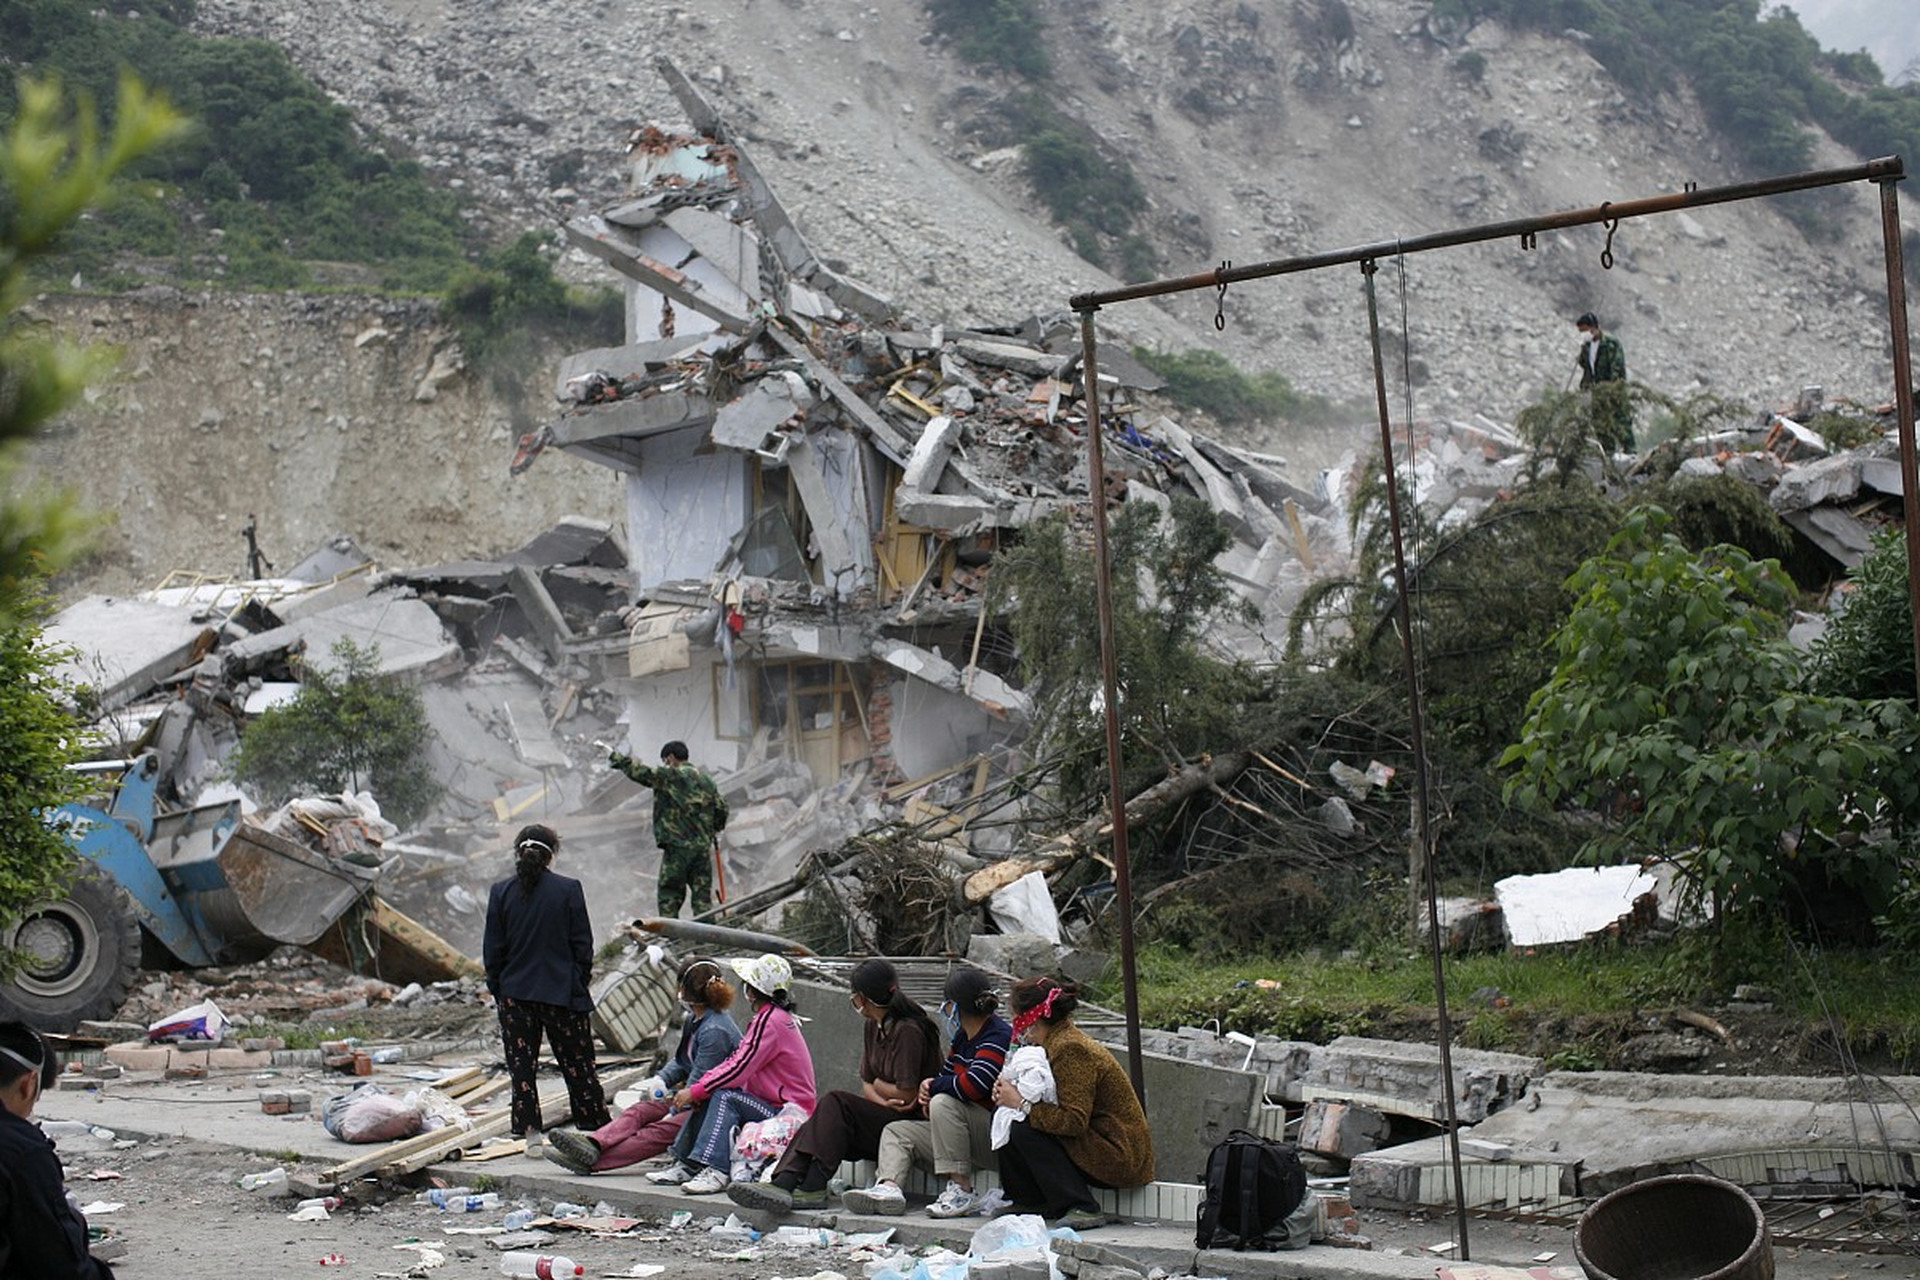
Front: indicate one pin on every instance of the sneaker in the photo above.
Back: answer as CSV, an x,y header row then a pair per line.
x,y
881,1198
674,1175
955,1202
572,1150
1082,1219
766,1196
710,1181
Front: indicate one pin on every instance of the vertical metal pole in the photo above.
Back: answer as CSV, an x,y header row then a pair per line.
x,y
1420,868
1110,699
1903,400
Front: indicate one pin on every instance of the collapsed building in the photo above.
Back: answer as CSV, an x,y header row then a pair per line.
x,y
817,488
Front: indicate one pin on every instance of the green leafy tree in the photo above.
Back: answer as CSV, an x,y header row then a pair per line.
x,y
1177,699
54,164
1867,652
1679,713
349,729
39,739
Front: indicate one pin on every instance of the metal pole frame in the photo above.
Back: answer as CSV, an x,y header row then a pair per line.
x,y
1886,171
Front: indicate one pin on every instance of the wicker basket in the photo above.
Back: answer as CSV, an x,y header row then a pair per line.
x,y
1683,1226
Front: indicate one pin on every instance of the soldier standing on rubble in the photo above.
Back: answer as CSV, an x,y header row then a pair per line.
x,y
688,815
1603,373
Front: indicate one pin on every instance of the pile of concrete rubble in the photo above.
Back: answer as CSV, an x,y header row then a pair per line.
x,y
816,491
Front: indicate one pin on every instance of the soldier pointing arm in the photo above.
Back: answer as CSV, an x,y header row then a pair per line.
x,y
688,815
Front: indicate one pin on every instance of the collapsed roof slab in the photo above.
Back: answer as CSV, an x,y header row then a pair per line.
x,y
412,644
1835,531
653,415
575,540
613,246
124,646
731,248
992,694
746,421
629,361
885,438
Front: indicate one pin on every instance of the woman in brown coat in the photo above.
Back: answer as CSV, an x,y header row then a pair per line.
x,y
1095,1135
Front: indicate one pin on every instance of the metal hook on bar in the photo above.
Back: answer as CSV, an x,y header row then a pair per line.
x,y
1220,303
1690,186
1612,224
1529,240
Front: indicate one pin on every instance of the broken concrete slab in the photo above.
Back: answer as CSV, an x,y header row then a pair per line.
x,y
1404,1079
123,646
746,421
1585,1133
1566,906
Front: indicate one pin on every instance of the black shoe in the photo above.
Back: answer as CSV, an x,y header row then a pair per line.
x,y
572,1150
1083,1219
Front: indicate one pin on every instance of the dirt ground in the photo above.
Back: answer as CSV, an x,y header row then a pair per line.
x,y
183,1215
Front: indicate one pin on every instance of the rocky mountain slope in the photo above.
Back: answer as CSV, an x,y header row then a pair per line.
x,y
1261,129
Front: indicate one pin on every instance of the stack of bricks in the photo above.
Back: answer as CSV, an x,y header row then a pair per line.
x,y
284,1102
880,733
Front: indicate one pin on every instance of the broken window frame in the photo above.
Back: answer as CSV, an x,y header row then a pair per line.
x,y
841,684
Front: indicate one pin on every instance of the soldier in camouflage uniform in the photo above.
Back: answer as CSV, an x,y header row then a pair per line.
x,y
688,815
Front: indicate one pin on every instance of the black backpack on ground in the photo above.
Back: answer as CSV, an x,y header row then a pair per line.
x,y
1252,1187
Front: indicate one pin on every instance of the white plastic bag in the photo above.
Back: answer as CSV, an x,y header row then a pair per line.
x,y
1026,906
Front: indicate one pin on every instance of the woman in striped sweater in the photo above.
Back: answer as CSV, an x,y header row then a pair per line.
x,y
959,1103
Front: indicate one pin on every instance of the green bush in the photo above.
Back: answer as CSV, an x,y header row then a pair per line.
x,y
1207,381
349,729
273,174
995,33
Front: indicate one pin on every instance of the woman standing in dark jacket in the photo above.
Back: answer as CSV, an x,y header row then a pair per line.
x,y
539,956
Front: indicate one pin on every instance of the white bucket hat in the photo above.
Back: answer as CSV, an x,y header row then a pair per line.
x,y
766,974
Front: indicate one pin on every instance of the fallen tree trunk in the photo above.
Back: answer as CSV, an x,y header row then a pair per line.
x,y
1065,849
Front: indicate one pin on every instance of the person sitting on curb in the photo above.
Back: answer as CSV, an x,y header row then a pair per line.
x,y
647,1128
899,1045
42,1234
769,1068
1096,1135
959,1103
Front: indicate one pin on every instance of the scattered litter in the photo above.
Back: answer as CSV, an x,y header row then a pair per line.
x,y
680,1219
332,1260
310,1213
642,1270
430,1257
1548,1256
1445,1246
103,1175
99,1207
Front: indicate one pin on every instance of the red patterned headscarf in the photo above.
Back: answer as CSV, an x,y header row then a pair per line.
x,y
1021,1021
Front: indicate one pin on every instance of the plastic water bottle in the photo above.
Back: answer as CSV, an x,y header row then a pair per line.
x,y
329,1203
271,1183
568,1209
539,1266
438,1196
518,1219
484,1203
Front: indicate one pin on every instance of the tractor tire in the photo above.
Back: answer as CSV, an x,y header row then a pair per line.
x,y
78,955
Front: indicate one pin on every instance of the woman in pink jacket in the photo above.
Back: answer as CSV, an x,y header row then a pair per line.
x,y
770,1068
